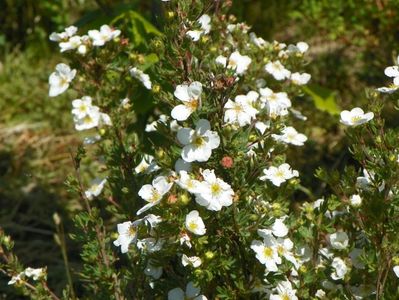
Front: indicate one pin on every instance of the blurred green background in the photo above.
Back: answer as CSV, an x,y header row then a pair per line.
x,y
351,42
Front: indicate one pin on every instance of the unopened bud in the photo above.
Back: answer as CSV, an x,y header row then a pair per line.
x,y
57,219
184,198
172,199
209,255
227,162
170,14
156,88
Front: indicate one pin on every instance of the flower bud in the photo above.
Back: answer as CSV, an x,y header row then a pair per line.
x,y
209,255
172,199
227,162
170,14
57,219
204,39
303,269
156,88
184,198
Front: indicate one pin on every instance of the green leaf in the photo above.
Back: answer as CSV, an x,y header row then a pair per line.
x,y
324,99
138,29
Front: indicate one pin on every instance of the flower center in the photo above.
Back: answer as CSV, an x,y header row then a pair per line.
x,y
198,141
132,231
285,297
155,196
192,104
192,225
356,119
268,252
280,174
215,189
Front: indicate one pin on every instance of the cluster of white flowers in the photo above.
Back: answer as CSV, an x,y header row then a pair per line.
x,y
68,40
35,274
87,116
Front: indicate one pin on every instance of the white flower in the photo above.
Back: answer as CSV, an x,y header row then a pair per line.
x,y
291,136
284,291
81,107
187,183
236,62
284,248
355,117
73,43
96,187
320,294
339,240
277,70
205,22
150,245
35,273
60,79
192,293
127,233
90,120
16,279
142,77
300,79
152,220
279,229
276,103
355,200
193,261
185,239
147,165
125,103
190,95
278,175
393,72
198,143
257,41
266,252
153,193
69,32
194,223
300,47
213,192
240,111
396,271
153,271
105,34
339,268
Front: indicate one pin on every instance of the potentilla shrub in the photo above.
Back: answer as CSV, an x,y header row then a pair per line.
x,y
192,193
